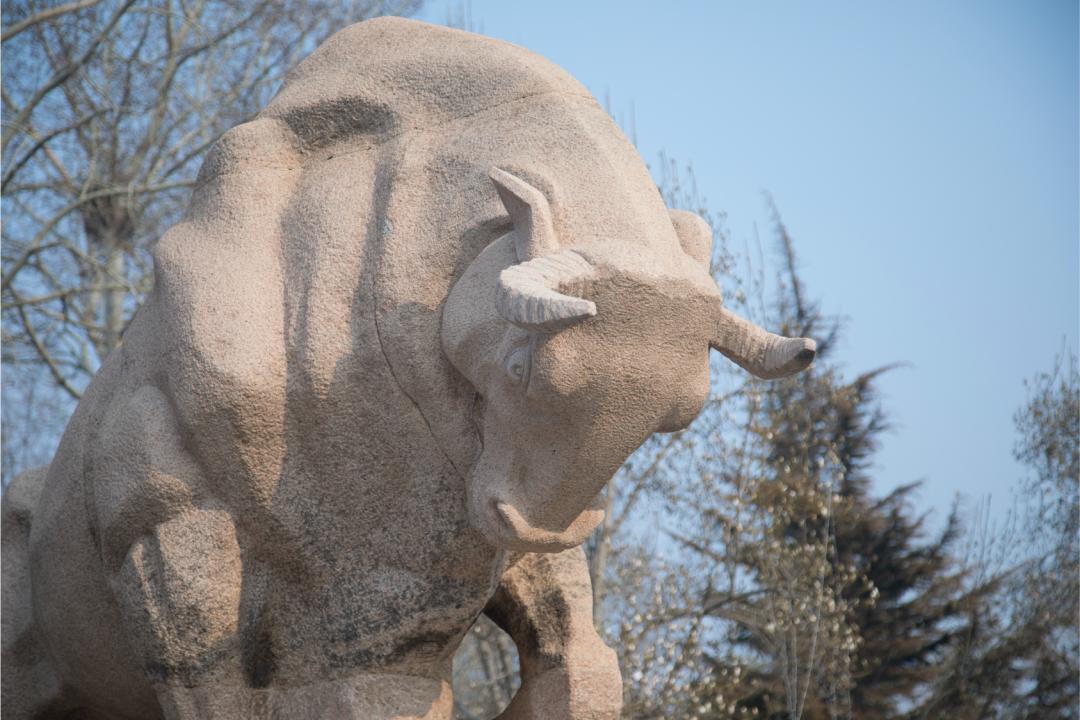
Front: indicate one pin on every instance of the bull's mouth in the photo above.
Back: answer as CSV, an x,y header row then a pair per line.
x,y
510,513
513,532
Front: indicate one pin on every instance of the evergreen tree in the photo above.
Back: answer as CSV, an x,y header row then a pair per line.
x,y
853,607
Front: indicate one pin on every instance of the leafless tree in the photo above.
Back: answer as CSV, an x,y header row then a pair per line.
x,y
486,672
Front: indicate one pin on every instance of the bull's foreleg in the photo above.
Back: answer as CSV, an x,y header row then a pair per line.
x,y
544,602
180,590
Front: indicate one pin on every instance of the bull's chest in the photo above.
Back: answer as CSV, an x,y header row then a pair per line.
x,y
398,575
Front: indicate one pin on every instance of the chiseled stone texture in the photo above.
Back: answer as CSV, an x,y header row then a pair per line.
x,y
419,311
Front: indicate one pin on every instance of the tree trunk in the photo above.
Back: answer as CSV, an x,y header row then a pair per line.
x,y
114,295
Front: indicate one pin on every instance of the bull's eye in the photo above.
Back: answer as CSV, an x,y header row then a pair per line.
x,y
517,364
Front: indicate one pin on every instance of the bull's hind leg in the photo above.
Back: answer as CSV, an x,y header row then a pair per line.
x,y
544,602
173,560
30,685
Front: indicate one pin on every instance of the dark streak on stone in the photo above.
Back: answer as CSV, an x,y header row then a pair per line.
x,y
259,660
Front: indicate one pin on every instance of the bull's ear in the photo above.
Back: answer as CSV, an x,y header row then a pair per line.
x,y
695,236
534,231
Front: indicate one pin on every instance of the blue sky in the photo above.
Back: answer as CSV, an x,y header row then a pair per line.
x,y
924,156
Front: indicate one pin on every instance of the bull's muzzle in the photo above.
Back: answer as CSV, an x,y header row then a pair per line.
x,y
524,536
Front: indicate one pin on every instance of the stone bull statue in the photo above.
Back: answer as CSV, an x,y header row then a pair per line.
x,y
419,311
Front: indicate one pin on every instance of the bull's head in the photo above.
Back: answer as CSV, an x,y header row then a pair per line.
x,y
578,353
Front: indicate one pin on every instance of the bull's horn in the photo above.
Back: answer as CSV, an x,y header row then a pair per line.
x,y
528,294
758,351
534,230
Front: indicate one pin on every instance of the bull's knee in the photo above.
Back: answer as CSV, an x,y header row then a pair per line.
x,y
180,590
139,473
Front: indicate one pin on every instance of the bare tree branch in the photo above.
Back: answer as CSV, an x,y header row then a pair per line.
x,y
43,16
63,74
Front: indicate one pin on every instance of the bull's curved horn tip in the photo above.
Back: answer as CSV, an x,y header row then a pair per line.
x,y
800,353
